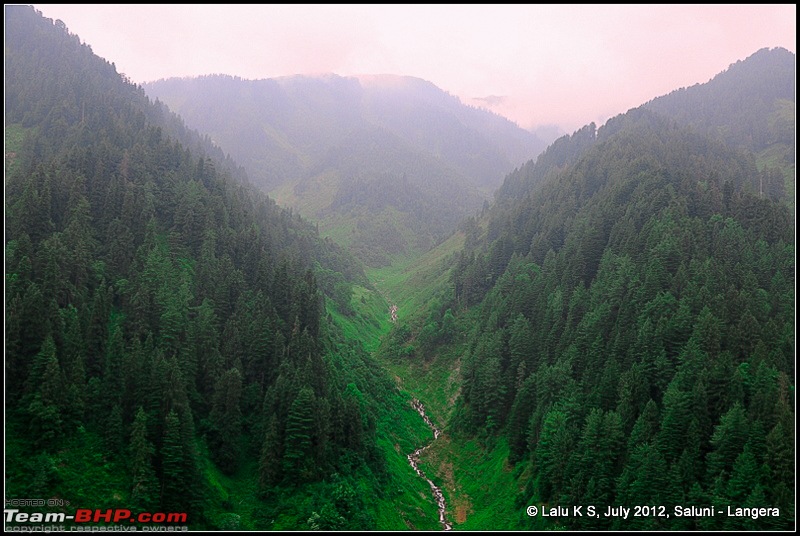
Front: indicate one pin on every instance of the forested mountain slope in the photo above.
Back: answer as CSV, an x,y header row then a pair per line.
x,y
167,343
750,105
386,164
626,310
737,106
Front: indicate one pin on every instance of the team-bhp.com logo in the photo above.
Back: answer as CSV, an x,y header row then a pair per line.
x,y
85,515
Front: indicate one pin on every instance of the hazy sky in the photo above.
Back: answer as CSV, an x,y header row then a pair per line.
x,y
565,65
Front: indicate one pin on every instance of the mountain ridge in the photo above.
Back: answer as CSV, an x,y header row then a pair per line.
x,y
293,133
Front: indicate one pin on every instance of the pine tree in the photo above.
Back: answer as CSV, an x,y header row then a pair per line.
x,y
744,477
173,479
269,466
518,420
226,418
299,436
144,485
46,406
729,438
644,480
552,452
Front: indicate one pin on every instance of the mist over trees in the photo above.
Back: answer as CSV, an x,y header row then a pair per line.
x,y
615,328
368,157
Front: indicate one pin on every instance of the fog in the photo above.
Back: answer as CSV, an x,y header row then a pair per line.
x,y
537,65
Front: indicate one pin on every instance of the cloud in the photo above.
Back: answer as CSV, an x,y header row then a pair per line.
x,y
491,100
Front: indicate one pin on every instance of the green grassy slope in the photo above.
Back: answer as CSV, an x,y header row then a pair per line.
x,y
481,490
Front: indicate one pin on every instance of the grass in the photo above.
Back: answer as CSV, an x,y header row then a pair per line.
x,y
409,503
405,502
324,186
77,473
480,488
232,501
781,155
412,281
482,491
370,319
340,228
435,382
14,137
778,156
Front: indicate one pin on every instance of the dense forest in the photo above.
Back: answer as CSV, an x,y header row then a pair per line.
x,y
627,313
165,322
615,329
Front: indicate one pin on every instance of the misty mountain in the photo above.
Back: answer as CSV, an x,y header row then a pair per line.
x,y
617,328
750,106
310,141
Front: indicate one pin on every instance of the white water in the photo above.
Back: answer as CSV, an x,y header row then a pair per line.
x,y
413,459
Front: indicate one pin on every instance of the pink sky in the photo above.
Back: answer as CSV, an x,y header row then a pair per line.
x,y
563,65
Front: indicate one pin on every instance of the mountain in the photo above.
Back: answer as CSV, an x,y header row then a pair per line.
x,y
475,142
737,105
170,334
369,157
749,106
616,330
622,321
739,108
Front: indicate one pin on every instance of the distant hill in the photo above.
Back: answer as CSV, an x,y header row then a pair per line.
x,y
367,157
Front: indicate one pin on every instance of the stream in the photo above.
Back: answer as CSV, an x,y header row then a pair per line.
x,y
413,459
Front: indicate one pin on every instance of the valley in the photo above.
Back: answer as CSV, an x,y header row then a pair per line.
x,y
353,303
386,165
